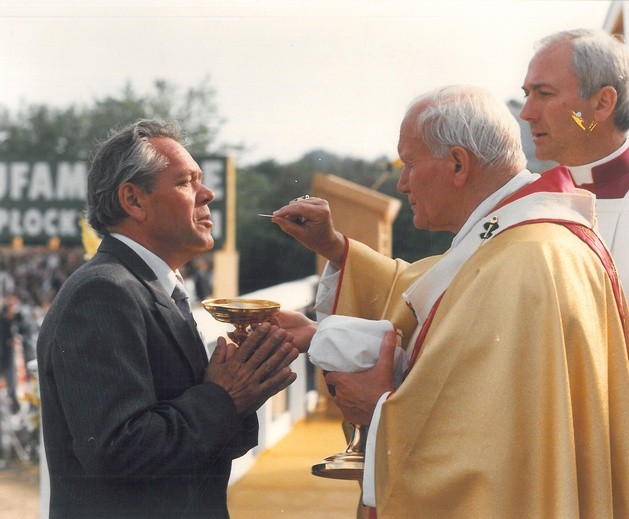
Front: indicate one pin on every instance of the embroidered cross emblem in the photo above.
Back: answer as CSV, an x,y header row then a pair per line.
x,y
489,227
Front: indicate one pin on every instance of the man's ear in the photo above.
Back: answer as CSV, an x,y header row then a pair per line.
x,y
132,199
460,159
604,103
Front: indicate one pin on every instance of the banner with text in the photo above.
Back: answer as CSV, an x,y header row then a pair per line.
x,y
44,200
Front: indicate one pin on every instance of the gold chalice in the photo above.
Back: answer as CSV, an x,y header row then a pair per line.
x,y
241,313
349,464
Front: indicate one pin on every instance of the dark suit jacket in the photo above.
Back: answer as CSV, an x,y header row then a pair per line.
x,y
130,428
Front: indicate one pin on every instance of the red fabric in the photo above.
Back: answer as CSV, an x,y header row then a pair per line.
x,y
338,292
556,180
595,243
423,332
610,180
589,237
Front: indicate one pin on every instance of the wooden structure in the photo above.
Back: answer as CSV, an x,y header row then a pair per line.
x,y
225,260
358,212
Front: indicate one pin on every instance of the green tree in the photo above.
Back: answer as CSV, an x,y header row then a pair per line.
x,y
268,256
71,133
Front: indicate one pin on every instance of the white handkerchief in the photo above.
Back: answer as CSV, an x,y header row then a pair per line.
x,y
349,344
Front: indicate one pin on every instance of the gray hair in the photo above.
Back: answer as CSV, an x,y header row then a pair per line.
x,y
126,156
599,59
474,119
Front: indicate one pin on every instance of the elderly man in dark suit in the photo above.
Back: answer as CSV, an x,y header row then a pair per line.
x,y
137,422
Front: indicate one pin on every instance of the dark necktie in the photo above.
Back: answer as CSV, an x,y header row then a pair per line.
x,y
181,300
180,296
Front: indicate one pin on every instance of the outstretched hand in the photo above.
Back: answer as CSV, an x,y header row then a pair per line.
x,y
298,325
309,221
357,393
255,371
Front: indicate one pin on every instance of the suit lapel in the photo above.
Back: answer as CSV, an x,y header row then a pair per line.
x,y
186,339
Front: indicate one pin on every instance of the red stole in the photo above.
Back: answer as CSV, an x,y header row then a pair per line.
x,y
556,180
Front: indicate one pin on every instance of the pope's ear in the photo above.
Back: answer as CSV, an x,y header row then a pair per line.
x,y
605,102
460,159
131,198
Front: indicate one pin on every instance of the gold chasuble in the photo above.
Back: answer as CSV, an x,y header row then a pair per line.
x,y
518,402
372,286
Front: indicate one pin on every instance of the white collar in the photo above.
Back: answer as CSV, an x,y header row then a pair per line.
x,y
165,275
520,180
583,174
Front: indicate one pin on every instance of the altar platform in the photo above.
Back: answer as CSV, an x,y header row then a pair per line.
x,y
280,483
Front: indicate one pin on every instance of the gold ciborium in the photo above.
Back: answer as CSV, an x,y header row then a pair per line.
x,y
349,464
241,313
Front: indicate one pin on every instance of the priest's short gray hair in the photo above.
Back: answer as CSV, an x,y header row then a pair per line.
x,y
599,59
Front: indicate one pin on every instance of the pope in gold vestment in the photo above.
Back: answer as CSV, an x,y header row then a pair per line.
x,y
518,403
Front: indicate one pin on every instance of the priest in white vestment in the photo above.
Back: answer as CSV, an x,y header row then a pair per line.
x,y
577,106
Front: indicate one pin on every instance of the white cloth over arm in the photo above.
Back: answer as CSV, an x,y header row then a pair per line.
x,y
349,344
326,291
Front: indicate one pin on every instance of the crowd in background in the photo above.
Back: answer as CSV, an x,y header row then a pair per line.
x,y
29,280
